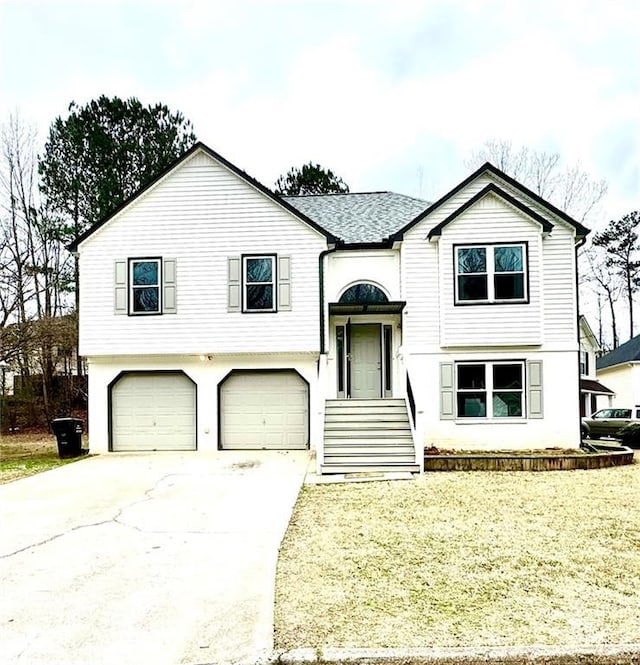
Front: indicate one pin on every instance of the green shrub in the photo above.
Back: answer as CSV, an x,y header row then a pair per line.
x,y
630,435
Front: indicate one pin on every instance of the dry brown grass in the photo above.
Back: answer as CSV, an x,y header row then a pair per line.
x,y
464,559
26,454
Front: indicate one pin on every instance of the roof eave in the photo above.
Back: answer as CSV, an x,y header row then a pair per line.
x,y
492,188
581,231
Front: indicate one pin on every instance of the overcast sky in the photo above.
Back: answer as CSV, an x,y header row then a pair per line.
x,y
389,95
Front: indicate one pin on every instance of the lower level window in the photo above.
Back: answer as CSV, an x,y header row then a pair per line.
x,y
490,390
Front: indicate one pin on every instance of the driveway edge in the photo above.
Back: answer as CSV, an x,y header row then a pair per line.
x,y
615,654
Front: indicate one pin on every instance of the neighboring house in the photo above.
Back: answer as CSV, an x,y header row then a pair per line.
x,y
215,314
593,394
620,369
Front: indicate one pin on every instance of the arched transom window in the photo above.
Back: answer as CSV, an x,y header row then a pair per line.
x,y
363,293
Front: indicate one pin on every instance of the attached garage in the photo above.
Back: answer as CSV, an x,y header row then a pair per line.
x,y
153,411
264,410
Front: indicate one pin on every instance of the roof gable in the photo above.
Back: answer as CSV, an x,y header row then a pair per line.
x,y
625,353
500,193
200,147
587,333
487,167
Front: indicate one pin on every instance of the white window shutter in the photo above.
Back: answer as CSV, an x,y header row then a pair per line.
x,y
234,284
447,395
284,282
534,389
120,287
169,293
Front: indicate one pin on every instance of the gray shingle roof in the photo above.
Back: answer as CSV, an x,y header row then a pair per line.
x,y
625,353
359,218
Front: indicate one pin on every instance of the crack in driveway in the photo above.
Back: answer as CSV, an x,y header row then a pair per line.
x,y
116,519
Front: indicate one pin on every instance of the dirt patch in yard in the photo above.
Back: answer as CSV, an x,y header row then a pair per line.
x,y
464,559
26,454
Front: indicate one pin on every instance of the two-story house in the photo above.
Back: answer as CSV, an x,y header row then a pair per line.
x,y
593,394
215,314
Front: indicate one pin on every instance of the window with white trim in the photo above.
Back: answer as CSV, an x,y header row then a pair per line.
x,y
145,286
490,390
259,280
491,273
584,363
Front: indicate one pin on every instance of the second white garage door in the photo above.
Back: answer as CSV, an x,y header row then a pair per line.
x,y
153,411
264,410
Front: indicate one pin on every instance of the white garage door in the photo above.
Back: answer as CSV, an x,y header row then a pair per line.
x,y
261,410
153,411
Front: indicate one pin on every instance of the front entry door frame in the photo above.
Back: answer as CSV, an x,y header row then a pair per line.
x,y
364,361
346,357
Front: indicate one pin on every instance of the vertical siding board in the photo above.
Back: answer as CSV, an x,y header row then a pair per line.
x,y
534,389
284,283
120,287
169,286
234,284
447,394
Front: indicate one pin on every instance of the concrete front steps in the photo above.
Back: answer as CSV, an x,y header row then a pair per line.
x,y
367,435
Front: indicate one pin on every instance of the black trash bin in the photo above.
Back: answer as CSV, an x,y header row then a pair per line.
x,y
68,432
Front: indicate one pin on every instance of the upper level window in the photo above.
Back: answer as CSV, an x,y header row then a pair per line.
x,y
144,284
259,283
490,390
491,273
584,363
363,293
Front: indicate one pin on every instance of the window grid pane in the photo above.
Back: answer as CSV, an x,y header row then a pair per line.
x,y
145,273
144,286
259,278
494,390
490,274
259,270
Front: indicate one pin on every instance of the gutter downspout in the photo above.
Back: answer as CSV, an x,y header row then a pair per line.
x,y
320,443
321,279
579,244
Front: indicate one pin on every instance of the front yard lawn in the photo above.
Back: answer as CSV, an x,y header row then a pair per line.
x,y
463,559
23,455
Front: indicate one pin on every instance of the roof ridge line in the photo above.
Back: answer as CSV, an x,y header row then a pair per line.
x,y
302,196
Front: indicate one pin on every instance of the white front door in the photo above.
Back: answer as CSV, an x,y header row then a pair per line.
x,y
366,361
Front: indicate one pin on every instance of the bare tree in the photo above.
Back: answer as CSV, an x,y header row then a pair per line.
x,y
571,189
34,265
606,286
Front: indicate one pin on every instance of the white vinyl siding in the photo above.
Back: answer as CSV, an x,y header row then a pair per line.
x,y
490,220
202,213
433,320
559,306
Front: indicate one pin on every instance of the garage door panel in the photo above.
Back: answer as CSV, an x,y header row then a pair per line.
x,y
261,410
152,411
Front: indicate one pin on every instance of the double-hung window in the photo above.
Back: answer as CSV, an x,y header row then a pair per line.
x,y
145,286
259,280
491,273
584,363
490,390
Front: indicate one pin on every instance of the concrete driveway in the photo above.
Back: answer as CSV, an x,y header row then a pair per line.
x,y
159,558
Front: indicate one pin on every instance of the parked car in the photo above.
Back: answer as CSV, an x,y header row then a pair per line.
x,y
608,422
